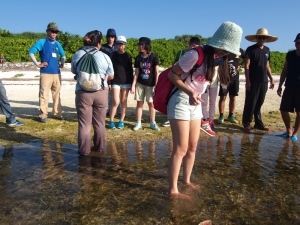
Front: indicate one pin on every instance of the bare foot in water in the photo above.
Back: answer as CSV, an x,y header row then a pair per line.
x,y
194,186
179,196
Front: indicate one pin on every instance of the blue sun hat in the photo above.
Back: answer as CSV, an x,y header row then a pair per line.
x,y
228,37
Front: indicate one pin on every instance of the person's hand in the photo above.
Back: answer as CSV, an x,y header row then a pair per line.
x,y
272,85
132,90
195,99
248,85
43,65
109,87
60,66
279,90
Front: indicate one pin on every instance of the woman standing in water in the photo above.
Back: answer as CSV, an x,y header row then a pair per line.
x,y
184,107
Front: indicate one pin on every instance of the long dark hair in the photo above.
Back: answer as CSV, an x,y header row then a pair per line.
x,y
92,38
210,66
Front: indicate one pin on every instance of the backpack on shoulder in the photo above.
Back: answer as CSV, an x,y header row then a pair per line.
x,y
163,90
89,78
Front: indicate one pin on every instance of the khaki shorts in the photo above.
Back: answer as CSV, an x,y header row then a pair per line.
x,y
142,91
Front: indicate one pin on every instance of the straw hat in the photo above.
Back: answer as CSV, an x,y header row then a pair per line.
x,y
227,37
261,32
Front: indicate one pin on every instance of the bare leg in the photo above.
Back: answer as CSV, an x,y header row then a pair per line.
x,y
180,135
139,110
151,111
123,98
115,103
222,104
232,103
297,124
287,122
189,158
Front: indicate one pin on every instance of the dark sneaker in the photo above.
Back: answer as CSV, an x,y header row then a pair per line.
x,y
43,120
60,118
15,124
166,124
232,119
221,119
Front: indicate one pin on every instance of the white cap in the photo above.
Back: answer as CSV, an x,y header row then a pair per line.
x,y
121,39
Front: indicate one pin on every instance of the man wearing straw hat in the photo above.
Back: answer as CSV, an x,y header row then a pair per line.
x,y
290,101
257,72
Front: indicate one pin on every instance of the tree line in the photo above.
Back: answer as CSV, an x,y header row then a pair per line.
x,y
15,46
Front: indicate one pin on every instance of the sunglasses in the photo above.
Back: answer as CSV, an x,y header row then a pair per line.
x,y
54,31
262,37
111,36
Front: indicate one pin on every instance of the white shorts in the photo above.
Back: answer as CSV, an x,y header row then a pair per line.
x,y
179,108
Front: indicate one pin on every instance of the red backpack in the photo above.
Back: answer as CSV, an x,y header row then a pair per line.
x,y
163,90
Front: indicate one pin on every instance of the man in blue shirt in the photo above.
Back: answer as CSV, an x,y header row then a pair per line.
x,y
50,77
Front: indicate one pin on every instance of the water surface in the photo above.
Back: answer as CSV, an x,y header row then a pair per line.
x,y
244,179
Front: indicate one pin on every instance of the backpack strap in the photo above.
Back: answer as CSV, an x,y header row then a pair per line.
x,y
81,58
195,67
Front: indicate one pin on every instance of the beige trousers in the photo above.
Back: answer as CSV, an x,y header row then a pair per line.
x,y
50,82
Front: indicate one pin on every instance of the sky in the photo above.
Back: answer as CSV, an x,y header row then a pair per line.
x,y
156,18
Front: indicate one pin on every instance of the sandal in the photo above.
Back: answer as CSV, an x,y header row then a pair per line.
x,y
284,135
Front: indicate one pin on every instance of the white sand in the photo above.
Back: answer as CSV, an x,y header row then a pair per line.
x,y
22,93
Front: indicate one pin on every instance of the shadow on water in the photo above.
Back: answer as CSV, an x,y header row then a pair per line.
x,y
245,179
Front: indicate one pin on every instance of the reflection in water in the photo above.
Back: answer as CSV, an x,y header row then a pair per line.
x,y
247,179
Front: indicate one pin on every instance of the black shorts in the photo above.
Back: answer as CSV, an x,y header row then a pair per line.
x,y
232,89
290,101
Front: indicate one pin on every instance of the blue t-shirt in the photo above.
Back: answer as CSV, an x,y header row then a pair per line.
x,y
49,52
103,61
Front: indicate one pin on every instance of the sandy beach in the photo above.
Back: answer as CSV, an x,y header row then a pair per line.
x,y
22,90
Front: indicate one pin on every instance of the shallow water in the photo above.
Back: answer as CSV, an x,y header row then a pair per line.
x,y
244,179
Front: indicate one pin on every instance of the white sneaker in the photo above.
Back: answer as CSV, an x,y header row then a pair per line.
x,y
166,124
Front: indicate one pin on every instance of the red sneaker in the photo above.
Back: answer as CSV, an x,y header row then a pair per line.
x,y
206,128
212,124
247,129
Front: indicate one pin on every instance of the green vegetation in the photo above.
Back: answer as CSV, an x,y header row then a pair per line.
x,y
19,75
15,47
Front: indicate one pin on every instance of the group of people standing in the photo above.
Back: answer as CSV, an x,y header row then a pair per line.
x,y
187,108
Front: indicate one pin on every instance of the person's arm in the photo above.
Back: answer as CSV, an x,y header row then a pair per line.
x,y
282,77
174,76
110,69
35,49
270,76
247,65
136,73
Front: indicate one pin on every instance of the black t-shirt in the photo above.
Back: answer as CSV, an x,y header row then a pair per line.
x,y
233,63
146,69
108,50
293,73
258,63
123,71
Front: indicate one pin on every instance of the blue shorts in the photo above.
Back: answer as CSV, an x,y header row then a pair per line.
x,y
120,86
179,108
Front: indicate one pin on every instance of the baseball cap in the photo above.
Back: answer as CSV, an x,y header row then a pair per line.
x,y
144,40
52,26
297,39
121,39
111,32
